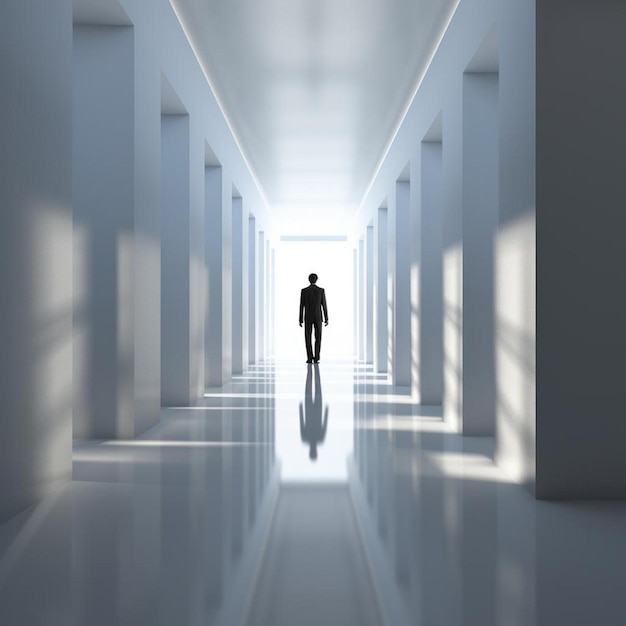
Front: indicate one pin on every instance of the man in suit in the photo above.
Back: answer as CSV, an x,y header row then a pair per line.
x,y
313,312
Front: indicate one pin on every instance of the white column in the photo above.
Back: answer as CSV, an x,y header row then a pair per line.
x,y
252,291
380,292
198,275
369,295
355,305
104,221
175,255
261,301
273,301
238,286
361,298
391,281
430,300
147,231
245,304
218,234
402,287
268,299
452,240
515,247
480,214
36,249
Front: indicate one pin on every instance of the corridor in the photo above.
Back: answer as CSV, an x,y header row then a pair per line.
x,y
218,515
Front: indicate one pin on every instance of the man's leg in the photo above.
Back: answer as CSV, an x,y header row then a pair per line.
x,y
308,326
318,339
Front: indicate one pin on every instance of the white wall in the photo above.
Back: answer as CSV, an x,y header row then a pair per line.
x,y
35,250
581,256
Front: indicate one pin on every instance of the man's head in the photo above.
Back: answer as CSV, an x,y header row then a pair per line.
x,y
313,452
312,278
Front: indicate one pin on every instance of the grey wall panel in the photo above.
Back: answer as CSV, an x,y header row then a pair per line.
x,y
581,257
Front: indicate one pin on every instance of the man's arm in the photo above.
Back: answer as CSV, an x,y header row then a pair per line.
x,y
324,308
301,307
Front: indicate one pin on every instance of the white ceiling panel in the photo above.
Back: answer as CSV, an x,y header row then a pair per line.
x,y
314,89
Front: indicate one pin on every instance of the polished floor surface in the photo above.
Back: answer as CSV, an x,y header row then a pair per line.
x,y
302,495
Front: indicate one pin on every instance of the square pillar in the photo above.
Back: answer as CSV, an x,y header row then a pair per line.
x,y
380,292
452,242
369,295
36,247
429,305
480,214
355,301
252,291
261,281
361,300
515,246
401,371
240,287
104,225
175,261
218,252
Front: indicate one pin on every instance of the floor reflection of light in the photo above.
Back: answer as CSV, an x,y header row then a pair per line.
x,y
467,466
250,395
216,408
144,443
423,423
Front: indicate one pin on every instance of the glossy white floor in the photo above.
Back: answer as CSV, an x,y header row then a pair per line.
x,y
220,515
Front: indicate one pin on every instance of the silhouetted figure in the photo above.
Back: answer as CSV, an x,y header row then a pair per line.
x,y
313,310
312,427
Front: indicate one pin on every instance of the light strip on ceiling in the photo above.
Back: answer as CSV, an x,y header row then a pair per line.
x,y
407,108
223,111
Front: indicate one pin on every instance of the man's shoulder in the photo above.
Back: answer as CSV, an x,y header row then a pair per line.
x,y
312,289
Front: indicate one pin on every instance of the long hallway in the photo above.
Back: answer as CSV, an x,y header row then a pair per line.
x,y
220,515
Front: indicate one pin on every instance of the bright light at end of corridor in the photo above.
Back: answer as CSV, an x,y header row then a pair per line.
x,y
332,262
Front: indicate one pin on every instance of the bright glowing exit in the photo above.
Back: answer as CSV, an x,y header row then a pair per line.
x,y
332,262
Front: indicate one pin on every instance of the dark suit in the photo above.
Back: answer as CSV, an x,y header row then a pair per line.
x,y
314,312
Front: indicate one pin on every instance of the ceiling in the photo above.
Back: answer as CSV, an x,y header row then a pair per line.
x,y
314,90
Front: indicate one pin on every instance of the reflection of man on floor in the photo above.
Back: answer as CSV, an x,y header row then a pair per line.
x,y
312,427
